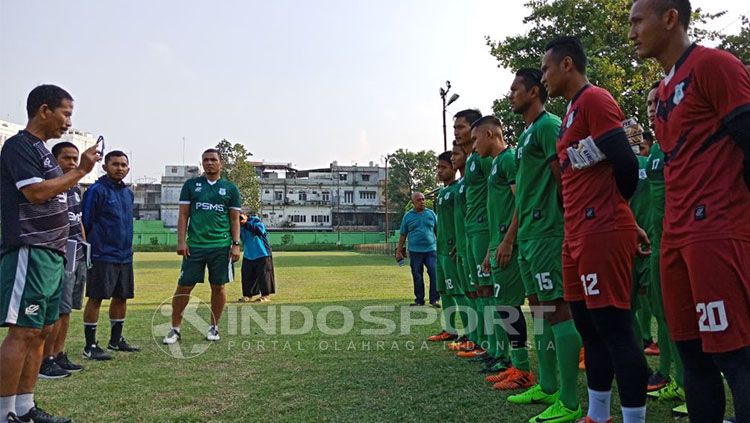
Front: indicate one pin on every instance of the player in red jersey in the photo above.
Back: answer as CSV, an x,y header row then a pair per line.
x,y
599,174
703,125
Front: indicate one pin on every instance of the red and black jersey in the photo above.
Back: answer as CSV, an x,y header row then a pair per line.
x,y
592,202
706,196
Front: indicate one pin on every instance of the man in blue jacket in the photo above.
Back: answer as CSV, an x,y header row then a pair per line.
x,y
108,221
257,263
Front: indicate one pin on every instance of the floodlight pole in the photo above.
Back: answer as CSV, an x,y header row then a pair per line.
x,y
454,97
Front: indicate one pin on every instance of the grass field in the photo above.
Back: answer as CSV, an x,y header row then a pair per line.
x,y
253,374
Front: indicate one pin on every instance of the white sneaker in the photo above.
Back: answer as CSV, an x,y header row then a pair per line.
x,y
172,337
213,333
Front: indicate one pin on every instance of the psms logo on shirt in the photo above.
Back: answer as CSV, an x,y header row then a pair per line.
x,y
210,207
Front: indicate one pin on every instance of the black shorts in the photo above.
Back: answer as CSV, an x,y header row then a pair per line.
x,y
110,280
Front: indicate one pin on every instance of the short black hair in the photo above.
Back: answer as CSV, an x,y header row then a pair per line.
x,y
57,148
445,156
684,10
212,150
532,77
115,153
648,136
471,115
568,46
51,95
489,119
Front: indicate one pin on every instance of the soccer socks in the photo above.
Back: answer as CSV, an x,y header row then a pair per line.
x,y
633,414
480,330
644,317
568,343
89,331
546,358
7,405
704,389
24,403
599,405
462,309
734,364
518,336
116,330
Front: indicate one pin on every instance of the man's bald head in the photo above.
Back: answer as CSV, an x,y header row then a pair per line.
x,y
418,200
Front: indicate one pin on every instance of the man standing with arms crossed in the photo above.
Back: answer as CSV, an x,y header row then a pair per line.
x,y
540,238
703,127
108,221
599,175
502,255
210,217
34,215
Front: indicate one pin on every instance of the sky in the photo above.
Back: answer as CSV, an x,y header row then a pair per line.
x,y
306,82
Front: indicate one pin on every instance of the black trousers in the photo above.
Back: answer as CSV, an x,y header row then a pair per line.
x,y
258,277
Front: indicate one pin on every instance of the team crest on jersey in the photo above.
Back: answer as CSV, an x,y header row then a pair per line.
x,y
679,93
47,163
447,195
461,190
494,169
642,174
473,166
198,188
222,191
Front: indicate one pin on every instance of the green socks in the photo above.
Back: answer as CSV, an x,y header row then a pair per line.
x,y
568,343
544,342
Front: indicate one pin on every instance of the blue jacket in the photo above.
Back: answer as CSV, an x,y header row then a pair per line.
x,y
255,238
108,220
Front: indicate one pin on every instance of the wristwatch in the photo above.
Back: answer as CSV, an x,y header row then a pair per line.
x,y
236,243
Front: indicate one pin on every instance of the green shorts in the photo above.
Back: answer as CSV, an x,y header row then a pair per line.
x,y
641,272
220,267
540,262
477,250
448,268
462,266
30,287
654,287
508,285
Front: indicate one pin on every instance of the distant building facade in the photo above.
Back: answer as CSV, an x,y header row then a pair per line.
x,y
171,185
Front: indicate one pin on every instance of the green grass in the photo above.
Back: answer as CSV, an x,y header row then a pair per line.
x,y
251,375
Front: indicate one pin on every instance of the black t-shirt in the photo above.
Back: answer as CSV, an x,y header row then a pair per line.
x,y
25,160
74,217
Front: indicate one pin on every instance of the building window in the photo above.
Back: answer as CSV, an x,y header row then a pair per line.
x,y
367,195
343,176
296,218
174,170
365,178
302,196
348,196
320,218
326,196
268,192
278,195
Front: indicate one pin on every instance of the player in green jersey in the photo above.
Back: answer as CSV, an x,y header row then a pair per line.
x,y
540,236
659,383
508,328
465,292
447,270
210,215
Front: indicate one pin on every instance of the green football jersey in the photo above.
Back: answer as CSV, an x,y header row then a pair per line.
x,y
477,171
208,226
446,225
459,215
540,214
640,202
501,202
655,174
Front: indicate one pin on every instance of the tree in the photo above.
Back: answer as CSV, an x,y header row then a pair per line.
x,y
602,26
409,172
739,44
238,169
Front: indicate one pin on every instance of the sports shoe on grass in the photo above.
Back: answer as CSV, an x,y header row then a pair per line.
x,y
680,410
476,352
172,337
499,377
534,395
122,346
655,382
37,415
245,299
63,361
518,379
51,370
496,365
581,360
587,419
95,352
671,392
442,336
558,413
456,345
213,334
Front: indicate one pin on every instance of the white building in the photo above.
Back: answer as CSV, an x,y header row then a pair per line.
x,y
171,185
336,197
80,139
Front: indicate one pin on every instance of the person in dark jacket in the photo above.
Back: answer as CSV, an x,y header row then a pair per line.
x,y
108,221
257,262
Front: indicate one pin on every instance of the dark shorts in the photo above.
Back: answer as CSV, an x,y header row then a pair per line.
x,y
110,280
220,267
706,292
72,288
30,287
598,269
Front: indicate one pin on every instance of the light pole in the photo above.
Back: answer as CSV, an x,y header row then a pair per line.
x,y
454,97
